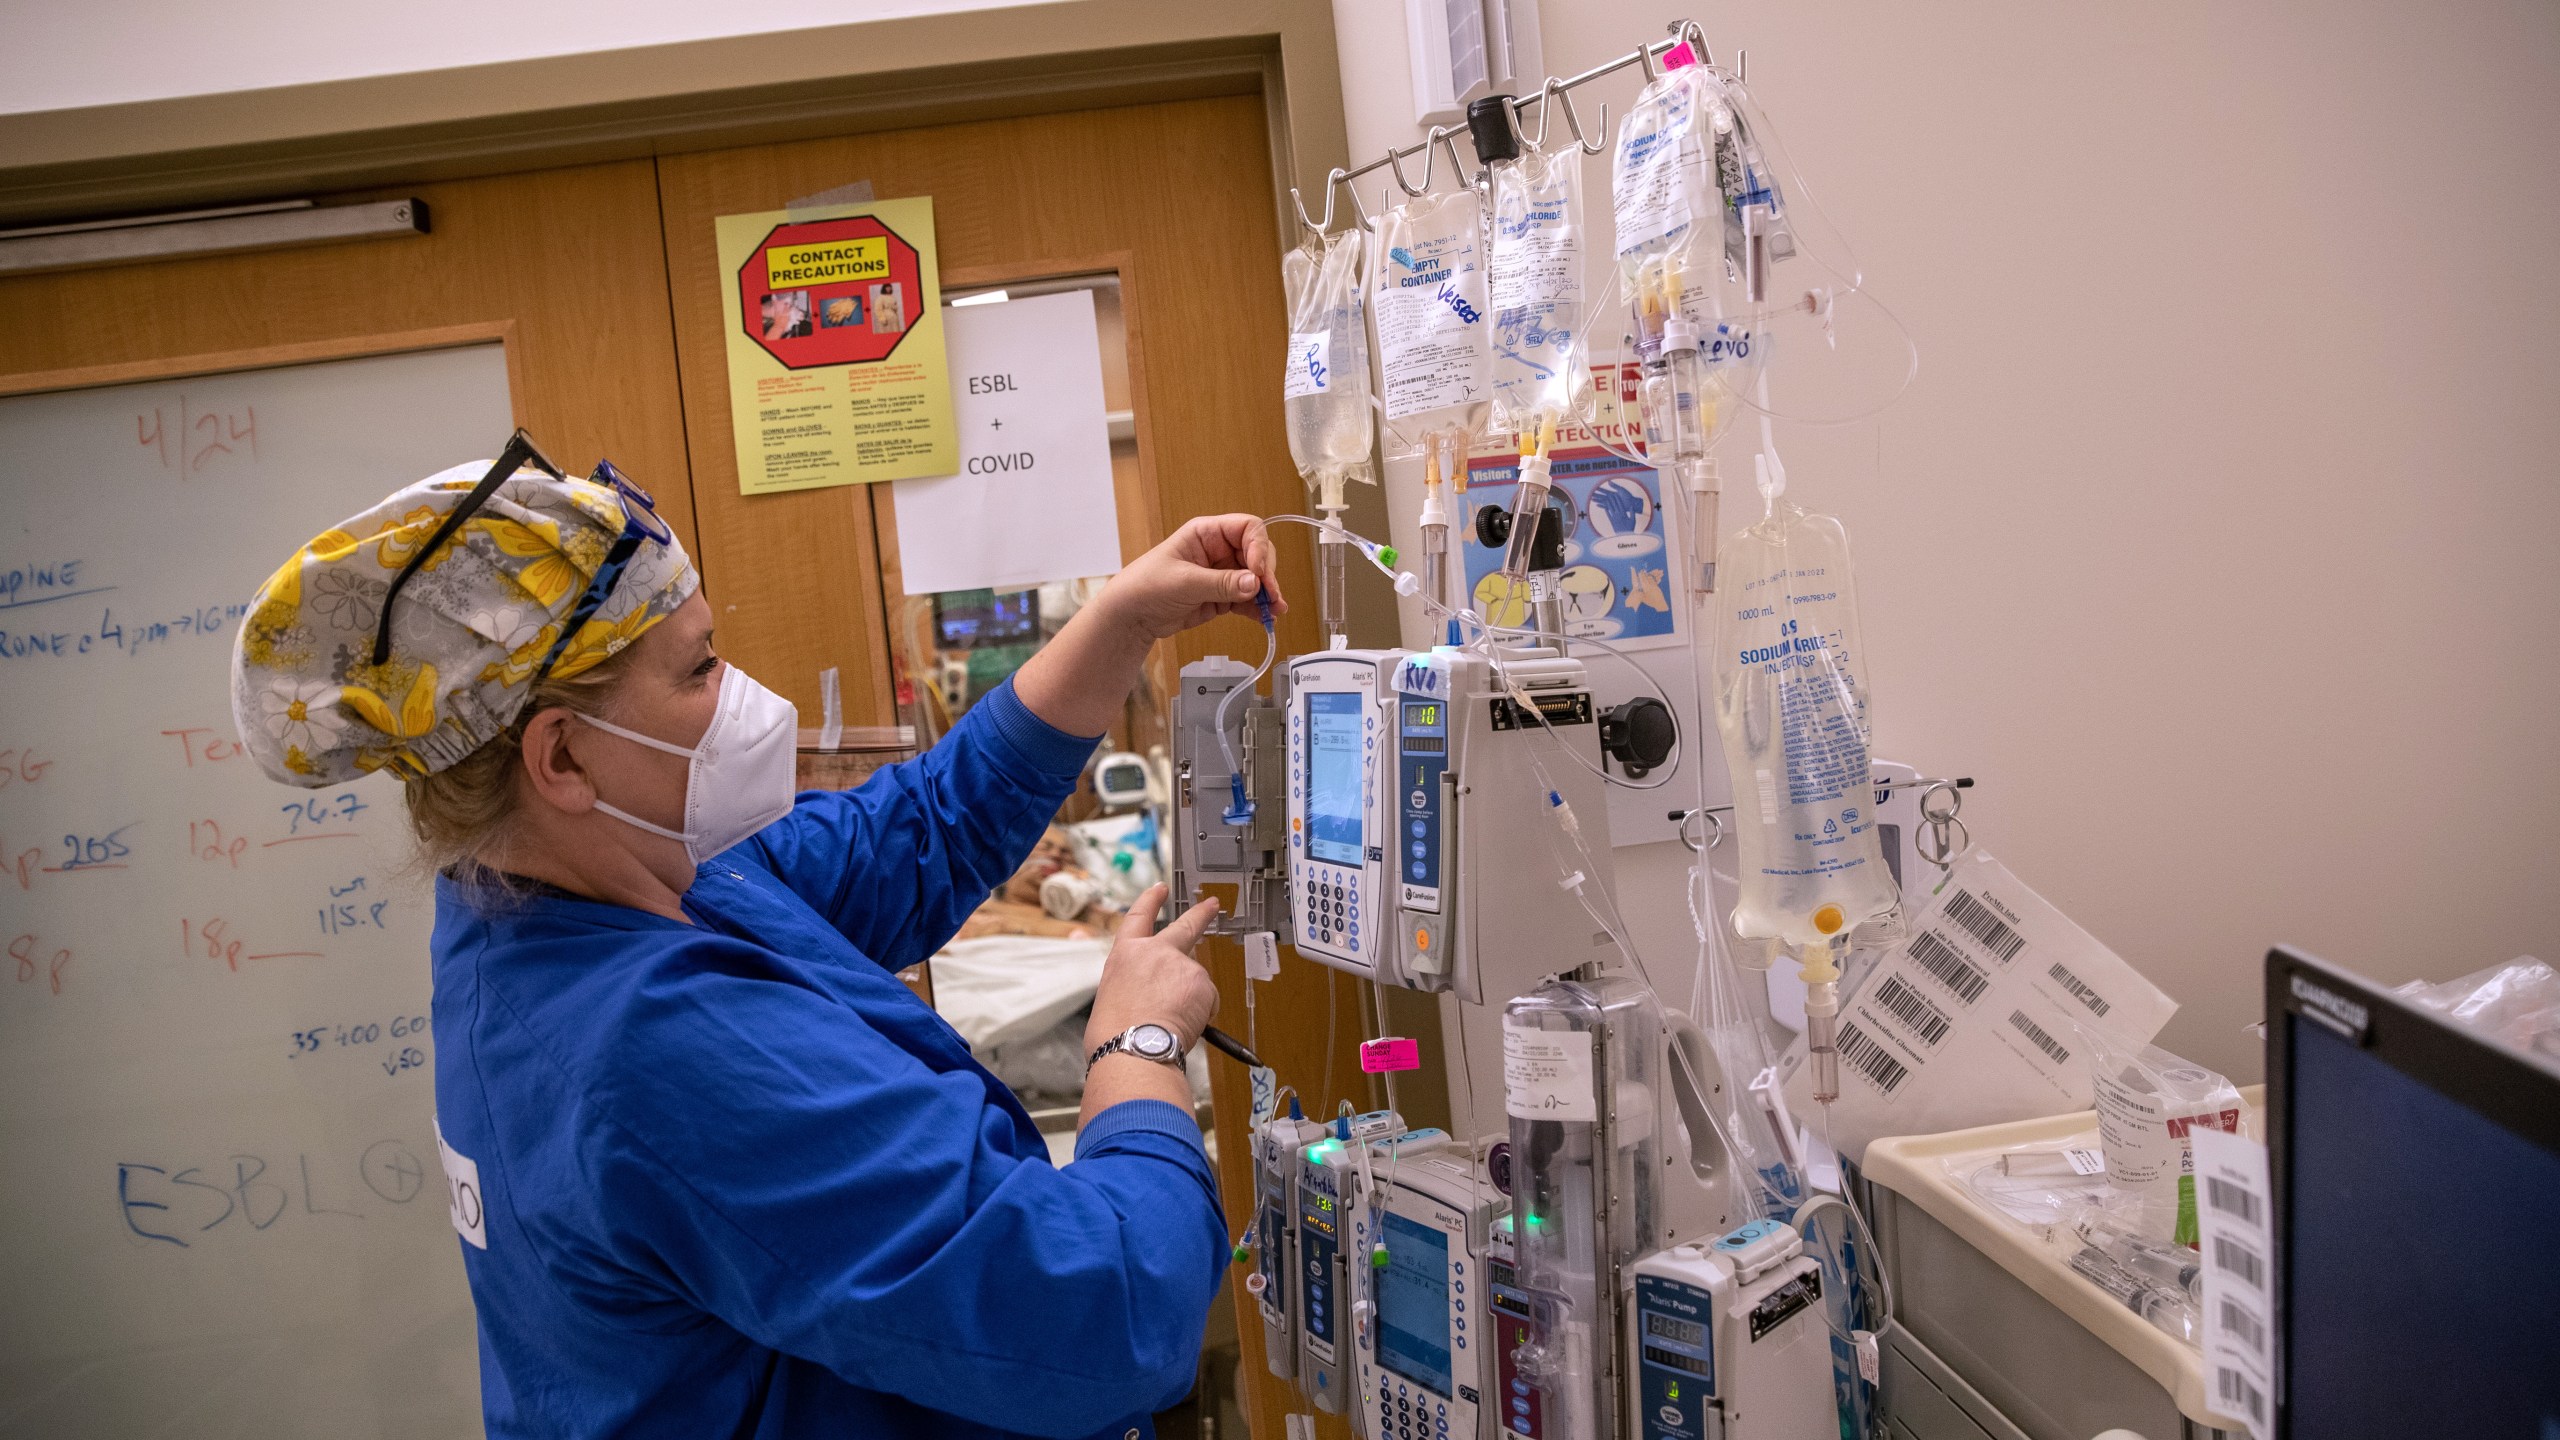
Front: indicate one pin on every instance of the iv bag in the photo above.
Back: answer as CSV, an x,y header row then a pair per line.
x,y
1540,371
1791,701
1674,182
1325,384
1435,362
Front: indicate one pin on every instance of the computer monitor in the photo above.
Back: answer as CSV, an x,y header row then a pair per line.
x,y
2416,1169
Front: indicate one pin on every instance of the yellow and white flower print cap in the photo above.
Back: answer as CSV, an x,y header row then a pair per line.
x,y
468,631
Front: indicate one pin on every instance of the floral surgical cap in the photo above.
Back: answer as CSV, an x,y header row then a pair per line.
x,y
468,631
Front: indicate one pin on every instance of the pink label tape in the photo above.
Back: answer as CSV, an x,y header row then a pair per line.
x,y
1392,1052
1678,56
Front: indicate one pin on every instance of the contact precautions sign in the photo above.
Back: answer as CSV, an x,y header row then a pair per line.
x,y
837,374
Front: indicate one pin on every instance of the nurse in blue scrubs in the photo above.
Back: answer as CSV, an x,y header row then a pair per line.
x,y
716,1171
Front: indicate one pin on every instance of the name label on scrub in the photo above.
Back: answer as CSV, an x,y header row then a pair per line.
x,y
462,1193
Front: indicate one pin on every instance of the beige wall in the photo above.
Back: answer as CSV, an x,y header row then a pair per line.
x,y
2218,535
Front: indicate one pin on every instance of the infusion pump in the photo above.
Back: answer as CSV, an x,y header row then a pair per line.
x,y
1423,797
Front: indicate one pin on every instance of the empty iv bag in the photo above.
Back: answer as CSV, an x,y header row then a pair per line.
x,y
1325,385
1535,283
1435,362
1791,701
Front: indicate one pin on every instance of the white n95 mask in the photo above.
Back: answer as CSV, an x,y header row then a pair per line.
x,y
739,779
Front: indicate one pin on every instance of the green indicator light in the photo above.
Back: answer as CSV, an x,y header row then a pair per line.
x,y
1674,1391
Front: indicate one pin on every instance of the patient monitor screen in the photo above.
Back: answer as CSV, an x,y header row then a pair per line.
x,y
1333,776
1413,1304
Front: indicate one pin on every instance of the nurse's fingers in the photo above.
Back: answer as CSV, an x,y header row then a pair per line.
x,y
1140,922
1187,927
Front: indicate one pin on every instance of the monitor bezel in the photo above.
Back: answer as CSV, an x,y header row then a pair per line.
x,y
2496,1080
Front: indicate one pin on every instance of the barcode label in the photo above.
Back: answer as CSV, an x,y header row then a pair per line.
x,y
2019,1022
1949,968
2241,1262
2238,1392
1872,1060
2231,1199
2244,1323
2080,991
1982,925
1768,797
1913,1009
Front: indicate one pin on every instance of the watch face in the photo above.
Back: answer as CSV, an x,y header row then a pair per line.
x,y
1152,1041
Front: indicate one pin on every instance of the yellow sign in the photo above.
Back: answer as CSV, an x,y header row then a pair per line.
x,y
836,368
825,264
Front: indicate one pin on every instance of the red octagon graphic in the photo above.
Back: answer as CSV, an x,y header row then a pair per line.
x,y
830,292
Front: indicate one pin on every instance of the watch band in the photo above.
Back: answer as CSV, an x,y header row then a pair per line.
x,y
1119,1045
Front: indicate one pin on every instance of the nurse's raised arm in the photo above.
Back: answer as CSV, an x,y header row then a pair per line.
x,y
1212,566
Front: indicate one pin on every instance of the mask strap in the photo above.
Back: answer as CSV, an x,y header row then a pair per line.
x,y
634,821
636,738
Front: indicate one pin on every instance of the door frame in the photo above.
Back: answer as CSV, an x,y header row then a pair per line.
x,y
265,357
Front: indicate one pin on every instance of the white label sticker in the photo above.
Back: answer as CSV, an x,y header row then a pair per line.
x,y
1546,1074
2239,1338
462,1193
2084,1161
1962,1024
1870,1369
1310,369
1261,956
1266,1094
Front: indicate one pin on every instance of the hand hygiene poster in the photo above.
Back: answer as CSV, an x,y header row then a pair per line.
x,y
1617,576
836,367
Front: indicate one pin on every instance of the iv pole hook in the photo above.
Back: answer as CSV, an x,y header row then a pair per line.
x,y
1395,167
1298,201
1573,122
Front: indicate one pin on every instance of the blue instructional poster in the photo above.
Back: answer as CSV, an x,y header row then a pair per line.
x,y
1617,575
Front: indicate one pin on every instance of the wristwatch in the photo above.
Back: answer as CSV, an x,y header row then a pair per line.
x,y
1147,1042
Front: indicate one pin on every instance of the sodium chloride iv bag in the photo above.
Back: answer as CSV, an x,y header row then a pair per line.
x,y
1535,285
1325,384
1791,701
1427,282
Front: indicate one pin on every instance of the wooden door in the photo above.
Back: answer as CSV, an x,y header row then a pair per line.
x,y
1175,199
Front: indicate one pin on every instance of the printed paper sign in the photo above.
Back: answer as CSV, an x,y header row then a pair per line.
x,y
833,325
1030,499
1546,1074
1970,1021
2233,1213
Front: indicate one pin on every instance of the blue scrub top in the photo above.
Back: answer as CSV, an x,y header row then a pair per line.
x,y
738,1180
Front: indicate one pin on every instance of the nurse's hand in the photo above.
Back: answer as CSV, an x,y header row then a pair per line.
x,y
1212,566
1151,977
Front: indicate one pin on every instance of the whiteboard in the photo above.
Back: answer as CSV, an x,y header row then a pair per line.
x,y
224,1210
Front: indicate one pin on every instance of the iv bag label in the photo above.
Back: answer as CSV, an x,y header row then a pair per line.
x,y
1310,369
1546,1075
1430,308
1537,252
1661,186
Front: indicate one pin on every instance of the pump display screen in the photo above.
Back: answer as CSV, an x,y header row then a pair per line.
x,y
1675,1329
1413,1304
1333,777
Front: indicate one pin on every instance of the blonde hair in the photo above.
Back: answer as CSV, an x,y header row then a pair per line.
x,y
460,813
